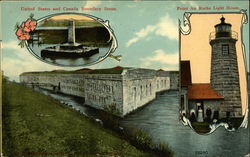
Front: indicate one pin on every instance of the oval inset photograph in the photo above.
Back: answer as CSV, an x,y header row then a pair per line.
x,y
71,40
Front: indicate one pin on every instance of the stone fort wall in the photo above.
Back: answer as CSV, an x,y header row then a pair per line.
x,y
139,88
104,92
72,84
118,94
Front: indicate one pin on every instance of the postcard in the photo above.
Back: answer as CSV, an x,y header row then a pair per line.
x,y
125,78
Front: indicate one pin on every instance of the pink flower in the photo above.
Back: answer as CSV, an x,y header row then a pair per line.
x,y
25,28
29,25
22,35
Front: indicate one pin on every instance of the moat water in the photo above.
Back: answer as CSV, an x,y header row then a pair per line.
x,y
160,118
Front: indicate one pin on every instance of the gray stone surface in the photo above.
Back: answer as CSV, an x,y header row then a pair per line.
x,y
174,80
118,94
71,31
72,84
225,76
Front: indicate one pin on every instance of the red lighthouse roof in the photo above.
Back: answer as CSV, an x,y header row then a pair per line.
x,y
202,91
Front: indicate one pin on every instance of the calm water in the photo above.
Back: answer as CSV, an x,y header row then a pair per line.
x,y
160,119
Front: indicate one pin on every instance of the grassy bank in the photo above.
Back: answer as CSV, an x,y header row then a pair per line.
x,y
201,127
37,125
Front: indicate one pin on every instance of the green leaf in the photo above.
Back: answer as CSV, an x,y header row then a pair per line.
x,y
23,43
31,16
118,58
16,27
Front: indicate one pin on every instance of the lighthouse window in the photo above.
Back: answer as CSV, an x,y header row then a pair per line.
x,y
225,49
226,28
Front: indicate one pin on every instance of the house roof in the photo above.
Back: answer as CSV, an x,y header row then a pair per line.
x,y
84,69
186,78
202,91
118,67
160,70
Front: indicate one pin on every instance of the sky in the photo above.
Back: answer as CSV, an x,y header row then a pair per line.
x,y
146,31
71,16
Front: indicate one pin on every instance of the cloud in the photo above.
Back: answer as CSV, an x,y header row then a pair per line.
x,y
141,34
166,27
191,3
19,60
131,41
144,32
13,46
91,4
161,59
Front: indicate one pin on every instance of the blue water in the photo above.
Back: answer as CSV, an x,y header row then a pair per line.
x,y
160,118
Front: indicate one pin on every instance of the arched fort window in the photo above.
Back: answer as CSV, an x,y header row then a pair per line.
x,y
150,89
134,93
141,93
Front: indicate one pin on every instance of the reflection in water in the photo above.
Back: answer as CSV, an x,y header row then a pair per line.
x,y
161,119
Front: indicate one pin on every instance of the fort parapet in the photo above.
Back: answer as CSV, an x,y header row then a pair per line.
x,y
119,91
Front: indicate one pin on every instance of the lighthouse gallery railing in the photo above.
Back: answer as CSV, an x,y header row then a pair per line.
x,y
233,35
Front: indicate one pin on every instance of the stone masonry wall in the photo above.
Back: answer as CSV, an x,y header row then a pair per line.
x,y
225,76
174,80
140,87
118,94
213,105
137,93
72,84
162,83
104,92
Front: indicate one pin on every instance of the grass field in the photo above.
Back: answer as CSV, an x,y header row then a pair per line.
x,y
201,127
37,125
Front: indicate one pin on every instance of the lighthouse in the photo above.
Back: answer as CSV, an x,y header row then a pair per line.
x,y
224,77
